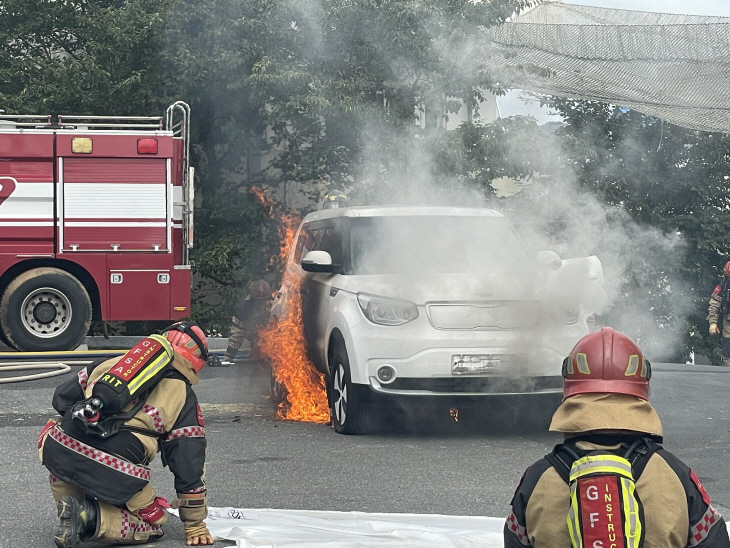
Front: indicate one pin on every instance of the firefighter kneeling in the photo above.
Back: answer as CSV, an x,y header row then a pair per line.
x,y
116,415
610,484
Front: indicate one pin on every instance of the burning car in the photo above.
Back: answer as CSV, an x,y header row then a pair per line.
x,y
433,305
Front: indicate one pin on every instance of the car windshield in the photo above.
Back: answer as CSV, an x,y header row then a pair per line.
x,y
433,243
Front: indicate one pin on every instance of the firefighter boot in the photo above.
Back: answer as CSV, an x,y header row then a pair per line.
x,y
78,521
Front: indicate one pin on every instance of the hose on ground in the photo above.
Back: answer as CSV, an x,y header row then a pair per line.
x,y
59,369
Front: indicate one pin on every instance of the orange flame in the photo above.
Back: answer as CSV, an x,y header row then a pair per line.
x,y
267,202
282,343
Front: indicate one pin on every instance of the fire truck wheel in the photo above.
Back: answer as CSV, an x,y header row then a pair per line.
x,y
45,309
5,340
346,401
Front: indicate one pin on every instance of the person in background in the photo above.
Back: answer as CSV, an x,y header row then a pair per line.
x,y
334,199
718,312
610,483
249,316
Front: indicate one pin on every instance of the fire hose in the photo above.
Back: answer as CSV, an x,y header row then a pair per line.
x,y
59,369
47,362
79,357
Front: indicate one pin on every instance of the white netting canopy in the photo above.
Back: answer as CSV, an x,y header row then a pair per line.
x,y
675,67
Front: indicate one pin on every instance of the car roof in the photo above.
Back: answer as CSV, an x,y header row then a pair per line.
x,y
394,211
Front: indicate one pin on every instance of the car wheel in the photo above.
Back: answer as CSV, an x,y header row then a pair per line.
x,y
45,309
346,406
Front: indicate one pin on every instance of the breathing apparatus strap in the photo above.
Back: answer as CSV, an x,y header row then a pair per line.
x,y
187,328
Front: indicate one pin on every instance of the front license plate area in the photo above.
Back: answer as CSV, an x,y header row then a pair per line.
x,y
483,364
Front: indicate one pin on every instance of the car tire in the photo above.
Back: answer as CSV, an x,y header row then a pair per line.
x,y
346,403
45,309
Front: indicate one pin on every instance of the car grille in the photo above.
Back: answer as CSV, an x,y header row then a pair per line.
x,y
483,315
478,384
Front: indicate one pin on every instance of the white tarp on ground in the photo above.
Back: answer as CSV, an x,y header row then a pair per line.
x,y
312,529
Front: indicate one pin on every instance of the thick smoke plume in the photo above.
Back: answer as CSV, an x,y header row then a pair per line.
x,y
384,157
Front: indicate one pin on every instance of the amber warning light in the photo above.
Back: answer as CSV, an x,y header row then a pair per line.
x,y
147,146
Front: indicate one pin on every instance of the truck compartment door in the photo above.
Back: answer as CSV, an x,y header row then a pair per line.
x,y
26,193
115,204
139,294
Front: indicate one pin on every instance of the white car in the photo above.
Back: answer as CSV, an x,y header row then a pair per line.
x,y
437,305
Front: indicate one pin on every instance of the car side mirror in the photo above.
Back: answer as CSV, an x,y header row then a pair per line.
x,y
318,261
548,260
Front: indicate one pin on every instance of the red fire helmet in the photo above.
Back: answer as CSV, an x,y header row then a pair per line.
x,y
606,361
189,341
726,269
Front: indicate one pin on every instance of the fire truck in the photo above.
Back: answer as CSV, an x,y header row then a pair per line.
x,y
96,223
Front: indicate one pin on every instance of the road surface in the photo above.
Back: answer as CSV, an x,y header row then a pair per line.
x,y
443,467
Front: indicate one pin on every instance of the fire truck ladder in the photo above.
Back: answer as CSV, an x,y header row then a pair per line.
x,y
25,121
111,122
178,121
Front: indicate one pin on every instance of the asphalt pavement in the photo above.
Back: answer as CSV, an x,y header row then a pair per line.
x,y
431,464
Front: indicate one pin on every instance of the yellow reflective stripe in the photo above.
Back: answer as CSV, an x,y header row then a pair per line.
x,y
582,361
632,521
633,366
643,368
601,464
164,342
601,470
148,372
153,368
576,538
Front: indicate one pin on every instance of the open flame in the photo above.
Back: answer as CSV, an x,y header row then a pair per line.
x,y
282,343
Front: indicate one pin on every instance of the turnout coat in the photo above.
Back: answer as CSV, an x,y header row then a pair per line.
x,y
677,509
116,468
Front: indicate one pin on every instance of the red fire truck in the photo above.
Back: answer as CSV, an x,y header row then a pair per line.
x,y
96,220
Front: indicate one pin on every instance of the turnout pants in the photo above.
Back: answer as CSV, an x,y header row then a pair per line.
x,y
115,525
726,342
239,333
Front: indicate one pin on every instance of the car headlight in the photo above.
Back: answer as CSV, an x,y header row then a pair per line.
x,y
384,311
568,315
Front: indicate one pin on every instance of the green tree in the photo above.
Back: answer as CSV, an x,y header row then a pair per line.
x,y
82,56
667,177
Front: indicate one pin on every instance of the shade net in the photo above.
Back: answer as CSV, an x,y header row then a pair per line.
x,y
675,67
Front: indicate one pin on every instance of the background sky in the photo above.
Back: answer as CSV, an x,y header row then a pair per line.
x,y
511,104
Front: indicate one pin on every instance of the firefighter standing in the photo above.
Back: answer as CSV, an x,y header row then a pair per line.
x,y
334,199
610,483
718,312
99,462
249,316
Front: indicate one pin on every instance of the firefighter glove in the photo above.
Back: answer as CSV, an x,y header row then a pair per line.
x,y
714,330
153,514
197,534
192,507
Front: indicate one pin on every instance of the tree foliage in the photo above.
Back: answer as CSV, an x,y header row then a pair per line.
x,y
670,178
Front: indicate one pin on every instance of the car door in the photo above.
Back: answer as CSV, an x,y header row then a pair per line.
x,y
316,299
